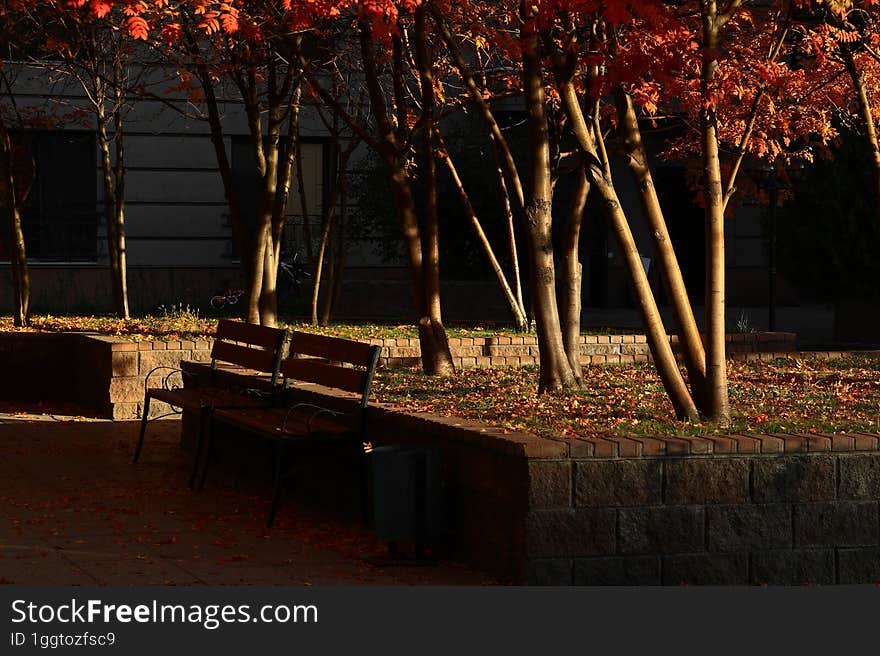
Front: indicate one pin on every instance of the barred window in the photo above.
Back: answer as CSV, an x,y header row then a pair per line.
x,y
60,215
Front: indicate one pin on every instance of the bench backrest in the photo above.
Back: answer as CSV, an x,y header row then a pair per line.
x,y
342,364
248,345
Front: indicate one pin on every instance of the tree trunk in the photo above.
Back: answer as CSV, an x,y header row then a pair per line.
x,y
330,277
511,238
436,358
717,401
113,216
688,334
121,277
262,301
21,281
505,156
121,280
331,299
867,116
303,203
433,321
268,299
257,261
21,284
327,229
109,203
572,273
519,317
319,262
556,372
661,350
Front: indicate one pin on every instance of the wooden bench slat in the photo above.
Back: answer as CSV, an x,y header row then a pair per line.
x,y
270,421
246,357
331,348
248,333
322,373
193,398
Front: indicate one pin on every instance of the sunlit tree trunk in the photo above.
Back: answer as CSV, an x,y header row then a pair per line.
x,y
717,407
108,91
689,338
556,372
119,303
572,274
603,186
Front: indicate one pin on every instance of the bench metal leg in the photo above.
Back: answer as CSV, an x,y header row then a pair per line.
x,y
207,448
279,477
366,486
144,419
204,418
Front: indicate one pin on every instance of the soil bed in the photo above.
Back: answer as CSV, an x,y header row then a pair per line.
x,y
789,395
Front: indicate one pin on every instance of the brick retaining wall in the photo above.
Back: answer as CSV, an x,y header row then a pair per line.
x,y
108,372
103,373
595,349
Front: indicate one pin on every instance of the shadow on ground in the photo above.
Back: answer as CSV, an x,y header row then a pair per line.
x,y
76,511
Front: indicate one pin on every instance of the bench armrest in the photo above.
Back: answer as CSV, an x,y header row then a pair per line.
x,y
250,392
166,378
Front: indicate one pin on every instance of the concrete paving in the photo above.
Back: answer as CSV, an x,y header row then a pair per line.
x,y
76,511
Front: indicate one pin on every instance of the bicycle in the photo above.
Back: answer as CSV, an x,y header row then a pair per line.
x,y
292,271
224,299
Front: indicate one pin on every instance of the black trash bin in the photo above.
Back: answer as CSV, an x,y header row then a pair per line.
x,y
406,495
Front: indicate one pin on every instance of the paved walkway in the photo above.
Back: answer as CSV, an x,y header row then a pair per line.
x,y
76,511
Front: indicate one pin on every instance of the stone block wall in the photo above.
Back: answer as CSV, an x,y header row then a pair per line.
x,y
762,509
803,510
132,362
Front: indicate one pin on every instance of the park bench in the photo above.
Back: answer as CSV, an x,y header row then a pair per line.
x,y
338,365
242,347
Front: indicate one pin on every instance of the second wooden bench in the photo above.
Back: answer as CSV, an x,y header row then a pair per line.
x,y
330,362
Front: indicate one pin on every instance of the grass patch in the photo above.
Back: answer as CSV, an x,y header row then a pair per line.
x,y
798,394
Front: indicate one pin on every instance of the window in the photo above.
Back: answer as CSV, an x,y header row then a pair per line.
x,y
244,171
60,215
